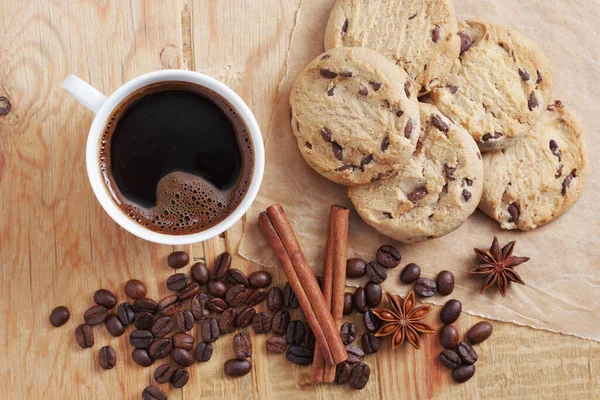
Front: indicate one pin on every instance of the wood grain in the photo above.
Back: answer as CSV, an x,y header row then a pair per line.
x,y
57,246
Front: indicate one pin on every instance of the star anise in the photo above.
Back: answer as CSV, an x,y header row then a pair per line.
x,y
498,266
403,320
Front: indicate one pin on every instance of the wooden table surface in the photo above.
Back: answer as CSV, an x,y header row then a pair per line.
x,y
57,246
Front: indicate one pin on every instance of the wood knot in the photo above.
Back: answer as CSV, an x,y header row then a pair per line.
x,y
4,106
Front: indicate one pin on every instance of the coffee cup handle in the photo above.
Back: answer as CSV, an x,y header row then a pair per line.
x,y
84,93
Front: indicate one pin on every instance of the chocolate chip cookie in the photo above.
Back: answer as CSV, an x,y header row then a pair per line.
x,y
418,35
434,193
355,115
499,87
540,177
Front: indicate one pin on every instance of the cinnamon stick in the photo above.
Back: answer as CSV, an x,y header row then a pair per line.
x,y
306,280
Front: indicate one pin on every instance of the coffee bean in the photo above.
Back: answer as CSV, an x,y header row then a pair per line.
x,y
142,357
153,393
141,339
370,343
275,299
388,256
189,291
348,332
260,279
59,316
373,294
222,266
355,354
178,259
410,273
107,357
295,333
163,373
237,367
445,283
145,305
200,273
180,378
183,341
217,305
309,338
359,377
256,296
227,321
480,332
209,329
126,314
449,337
348,303
280,322
204,352
114,326
217,288
372,321
451,311
467,353
425,287
342,373
162,327
199,306
289,297
276,344
360,300
84,336
355,268
143,321
160,348
245,316
242,346
177,282
237,277
237,295
376,272
105,298
135,289
299,355
95,315
184,320
450,359
182,357
261,323
463,373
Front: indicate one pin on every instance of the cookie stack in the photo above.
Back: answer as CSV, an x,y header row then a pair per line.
x,y
405,100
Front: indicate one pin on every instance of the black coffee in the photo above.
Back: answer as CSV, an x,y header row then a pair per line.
x,y
176,158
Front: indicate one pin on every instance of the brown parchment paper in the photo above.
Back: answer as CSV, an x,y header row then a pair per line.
x,y
563,275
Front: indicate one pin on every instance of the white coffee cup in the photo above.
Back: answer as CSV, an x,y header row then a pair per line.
x,y
104,107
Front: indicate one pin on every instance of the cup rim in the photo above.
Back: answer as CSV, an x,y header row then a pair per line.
x,y
115,99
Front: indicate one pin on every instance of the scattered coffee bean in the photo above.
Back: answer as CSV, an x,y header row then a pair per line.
x,y
200,273
237,295
280,322
275,299
153,393
463,373
145,305
200,306
451,311
184,320
260,279
84,336
126,314
355,354
142,357
445,283
141,339
180,377
360,300
370,343
95,315
295,333
237,277
183,341
182,357
217,288
256,296
242,346
178,259
450,359
107,357
372,321
105,298
373,294
355,268
299,355
143,321
348,303
342,373
114,326
163,373
237,367
162,327
177,282
189,291
410,273
227,321
425,287
261,323
376,272
222,266
309,338
244,317
467,353
449,337
209,329
59,316
217,305
388,256
289,297
204,352
348,332
135,289
276,344
160,348
359,377
480,332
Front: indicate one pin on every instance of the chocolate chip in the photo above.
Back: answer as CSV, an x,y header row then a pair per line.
x,y
465,42
436,120
555,150
363,91
385,143
513,211
467,181
524,74
466,194
418,194
326,135
399,113
567,181
412,16
375,85
308,145
488,136
453,89
337,151
330,91
539,78
381,175
533,101
407,88
559,171
346,74
368,159
344,167
326,57
435,36
449,172
345,27
408,129
327,73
